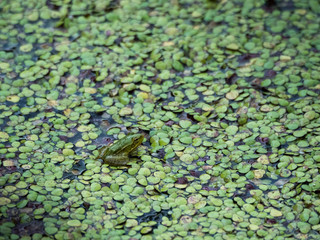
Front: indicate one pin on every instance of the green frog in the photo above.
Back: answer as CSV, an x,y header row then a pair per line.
x,y
118,153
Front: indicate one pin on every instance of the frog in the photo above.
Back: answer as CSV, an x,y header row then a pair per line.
x,y
117,154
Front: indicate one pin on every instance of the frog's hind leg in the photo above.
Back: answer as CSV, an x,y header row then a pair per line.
x,y
117,160
120,167
102,151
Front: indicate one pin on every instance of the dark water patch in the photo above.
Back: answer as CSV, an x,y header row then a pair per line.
x,y
154,216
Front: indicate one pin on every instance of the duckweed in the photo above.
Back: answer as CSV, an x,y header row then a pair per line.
x,y
224,92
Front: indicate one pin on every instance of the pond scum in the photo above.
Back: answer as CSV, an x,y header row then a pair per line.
x,y
225,94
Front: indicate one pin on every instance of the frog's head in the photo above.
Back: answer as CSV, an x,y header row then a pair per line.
x,y
135,140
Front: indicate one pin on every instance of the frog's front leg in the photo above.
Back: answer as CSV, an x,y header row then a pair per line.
x,y
134,153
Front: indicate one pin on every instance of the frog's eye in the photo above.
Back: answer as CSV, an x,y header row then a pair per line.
x,y
137,138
